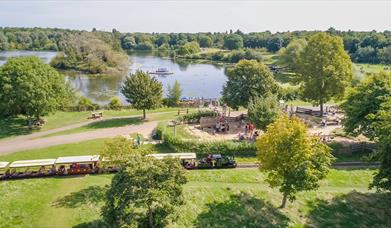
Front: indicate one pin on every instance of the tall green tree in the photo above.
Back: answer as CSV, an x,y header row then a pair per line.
x,y
3,41
31,88
325,69
290,55
205,41
145,192
189,48
293,160
263,110
364,101
233,41
142,91
247,79
382,128
174,93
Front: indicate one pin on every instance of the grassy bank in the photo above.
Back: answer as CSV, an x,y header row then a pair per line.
x,y
219,198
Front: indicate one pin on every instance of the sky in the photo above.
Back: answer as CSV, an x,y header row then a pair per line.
x,y
199,16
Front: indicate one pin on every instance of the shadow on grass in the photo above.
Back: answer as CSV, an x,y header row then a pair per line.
x,y
13,127
94,224
354,209
242,210
117,122
92,195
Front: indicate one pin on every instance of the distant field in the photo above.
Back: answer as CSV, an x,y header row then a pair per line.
x,y
222,198
373,68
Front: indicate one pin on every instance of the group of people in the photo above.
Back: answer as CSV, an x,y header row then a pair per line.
x,y
249,132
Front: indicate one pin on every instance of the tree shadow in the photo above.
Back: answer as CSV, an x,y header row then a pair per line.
x,y
117,122
13,126
242,210
354,209
94,224
92,195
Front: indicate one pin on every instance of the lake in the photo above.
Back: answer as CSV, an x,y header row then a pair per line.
x,y
196,79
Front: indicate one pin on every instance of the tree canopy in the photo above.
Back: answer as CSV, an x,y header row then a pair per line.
x,y
290,55
247,79
145,192
174,93
233,41
293,160
382,129
142,91
96,53
263,110
325,69
365,100
32,88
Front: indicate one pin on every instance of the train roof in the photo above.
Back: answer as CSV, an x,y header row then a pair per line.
x,y
32,163
77,159
3,165
174,155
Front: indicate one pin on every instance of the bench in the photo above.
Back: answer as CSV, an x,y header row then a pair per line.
x,y
97,115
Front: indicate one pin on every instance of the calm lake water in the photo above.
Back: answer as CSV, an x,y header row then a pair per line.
x,y
196,79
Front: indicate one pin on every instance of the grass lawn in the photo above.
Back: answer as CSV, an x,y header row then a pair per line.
x,y
18,126
118,122
219,198
213,198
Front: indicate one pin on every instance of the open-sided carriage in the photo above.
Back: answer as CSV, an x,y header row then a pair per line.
x,y
3,169
31,168
77,164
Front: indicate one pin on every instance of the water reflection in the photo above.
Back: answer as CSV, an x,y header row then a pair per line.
x,y
196,79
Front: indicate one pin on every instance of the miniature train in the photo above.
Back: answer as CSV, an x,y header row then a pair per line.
x,y
91,164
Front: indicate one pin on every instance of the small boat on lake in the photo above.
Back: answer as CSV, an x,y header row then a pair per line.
x,y
161,71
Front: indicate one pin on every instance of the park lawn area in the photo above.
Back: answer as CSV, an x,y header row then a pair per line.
x,y
213,198
118,122
223,198
10,127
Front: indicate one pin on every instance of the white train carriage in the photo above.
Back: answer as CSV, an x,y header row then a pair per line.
x,y
30,168
3,169
77,164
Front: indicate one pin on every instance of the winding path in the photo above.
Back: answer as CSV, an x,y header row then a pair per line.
x,y
33,141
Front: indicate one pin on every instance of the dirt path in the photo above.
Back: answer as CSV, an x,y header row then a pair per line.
x,y
32,142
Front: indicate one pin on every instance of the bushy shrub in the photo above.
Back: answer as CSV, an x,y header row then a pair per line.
x,y
86,104
115,104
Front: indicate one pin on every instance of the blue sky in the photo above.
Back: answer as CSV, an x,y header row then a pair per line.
x,y
199,16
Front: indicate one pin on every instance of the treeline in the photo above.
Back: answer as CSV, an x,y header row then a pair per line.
x,y
363,47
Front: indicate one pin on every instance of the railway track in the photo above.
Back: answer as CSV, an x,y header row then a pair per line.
x,y
338,165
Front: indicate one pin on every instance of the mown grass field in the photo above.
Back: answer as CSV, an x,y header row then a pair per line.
x,y
18,125
213,198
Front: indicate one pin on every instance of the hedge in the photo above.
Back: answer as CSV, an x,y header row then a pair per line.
x,y
195,117
202,148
